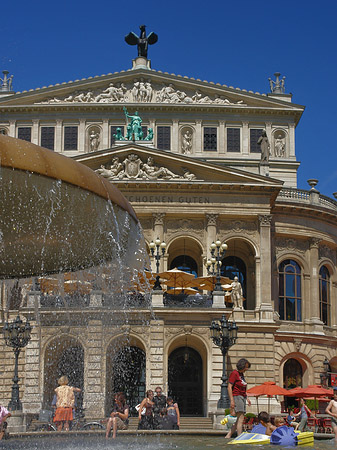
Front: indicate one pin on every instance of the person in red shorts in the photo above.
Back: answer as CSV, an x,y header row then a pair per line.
x,y
237,392
64,404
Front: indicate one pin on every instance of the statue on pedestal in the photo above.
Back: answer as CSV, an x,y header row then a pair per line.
x,y
237,294
265,147
135,131
142,41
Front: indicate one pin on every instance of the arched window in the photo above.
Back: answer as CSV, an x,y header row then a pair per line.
x,y
324,295
290,297
292,374
231,267
185,263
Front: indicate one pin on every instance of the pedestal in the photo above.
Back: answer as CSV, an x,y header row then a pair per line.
x,y
157,298
264,169
141,63
218,299
16,422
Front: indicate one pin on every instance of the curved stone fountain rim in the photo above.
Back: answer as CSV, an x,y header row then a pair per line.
x,y
22,155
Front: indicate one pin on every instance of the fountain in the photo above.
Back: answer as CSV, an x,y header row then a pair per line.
x,y
58,215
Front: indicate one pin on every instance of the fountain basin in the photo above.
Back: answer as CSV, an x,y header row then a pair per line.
x,y
58,215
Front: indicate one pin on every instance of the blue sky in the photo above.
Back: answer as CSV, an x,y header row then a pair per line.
x,y
239,43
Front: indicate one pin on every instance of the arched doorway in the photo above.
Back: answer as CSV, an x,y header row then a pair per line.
x,y
292,376
185,380
126,373
64,356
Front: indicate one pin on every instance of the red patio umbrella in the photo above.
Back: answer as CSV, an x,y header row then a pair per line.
x,y
313,390
269,388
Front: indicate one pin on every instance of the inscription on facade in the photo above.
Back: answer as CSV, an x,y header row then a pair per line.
x,y
167,199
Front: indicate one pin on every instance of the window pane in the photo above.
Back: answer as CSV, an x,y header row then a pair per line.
x,y
299,310
281,285
144,130
290,309
210,139
254,137
233,140
70,138
290,285
281,308
47,137
25,133
164,138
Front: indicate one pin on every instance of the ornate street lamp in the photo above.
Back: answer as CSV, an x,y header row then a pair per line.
x,y
224,335
160,248
17,336
217,253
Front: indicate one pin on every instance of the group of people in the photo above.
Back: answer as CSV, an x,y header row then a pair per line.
x,y
237,392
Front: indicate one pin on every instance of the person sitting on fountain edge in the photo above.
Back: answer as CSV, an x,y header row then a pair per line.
x,y
119,418
159,401
4,414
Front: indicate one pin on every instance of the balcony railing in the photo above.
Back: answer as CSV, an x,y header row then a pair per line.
x,y
307,197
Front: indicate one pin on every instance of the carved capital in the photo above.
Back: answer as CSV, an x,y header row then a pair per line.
x,y
158,218
211,219
188,329
314,242
265,220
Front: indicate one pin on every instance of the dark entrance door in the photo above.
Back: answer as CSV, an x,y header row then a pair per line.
x,y
71,364
128,376
185,380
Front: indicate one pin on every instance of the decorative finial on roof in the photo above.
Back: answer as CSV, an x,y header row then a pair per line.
x,y
6,82
142,41
277,86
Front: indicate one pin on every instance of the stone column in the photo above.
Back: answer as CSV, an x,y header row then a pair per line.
x,y
81,136
211,231
245,138
268,132
12,128
155,367
158,232
265,268
199,138
105,133
35,131
94,379
175,136
58,136
222,137
314,286
32,400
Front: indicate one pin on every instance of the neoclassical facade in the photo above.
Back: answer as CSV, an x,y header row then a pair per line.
x,y
199,178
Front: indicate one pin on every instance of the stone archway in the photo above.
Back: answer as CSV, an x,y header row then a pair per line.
x,y
63,356
185,380
126,372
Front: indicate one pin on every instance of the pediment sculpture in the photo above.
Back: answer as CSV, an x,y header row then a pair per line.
x,y
140,91
133,168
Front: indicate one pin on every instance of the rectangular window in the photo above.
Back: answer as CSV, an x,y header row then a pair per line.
x,y
210,139
70,138
233,140
48,137
254,137
164,138
113,130
144,130
25,133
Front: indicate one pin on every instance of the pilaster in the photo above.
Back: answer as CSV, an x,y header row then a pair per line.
x,y
245,138
58,135
94,386
12,128
222,137
198,137
105,133
292,140
81,136
155,371
35,131
158,232
175,136
314,286
265,262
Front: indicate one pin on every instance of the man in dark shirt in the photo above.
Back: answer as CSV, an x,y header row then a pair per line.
x,y
159,404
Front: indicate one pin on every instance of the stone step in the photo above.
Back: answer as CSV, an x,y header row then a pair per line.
x,y
186,423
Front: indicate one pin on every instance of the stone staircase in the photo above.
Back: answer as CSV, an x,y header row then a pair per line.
x,y
186,423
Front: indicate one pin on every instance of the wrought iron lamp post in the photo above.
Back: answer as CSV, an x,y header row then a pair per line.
x,y
217,253
160,248
224,335
17,336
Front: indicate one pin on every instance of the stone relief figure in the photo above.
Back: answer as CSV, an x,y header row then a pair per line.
x,y
265,147
237,294
142,91
133,168
198,97
94,140
153,172
279,147
186,142
109,94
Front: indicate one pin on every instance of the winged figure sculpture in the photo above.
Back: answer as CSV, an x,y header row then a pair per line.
x,y
142,41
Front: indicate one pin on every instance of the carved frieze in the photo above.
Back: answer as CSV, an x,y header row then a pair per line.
x,y
265,220
284,245
326,252
212,219
140,91
184,225
239,227
133,168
